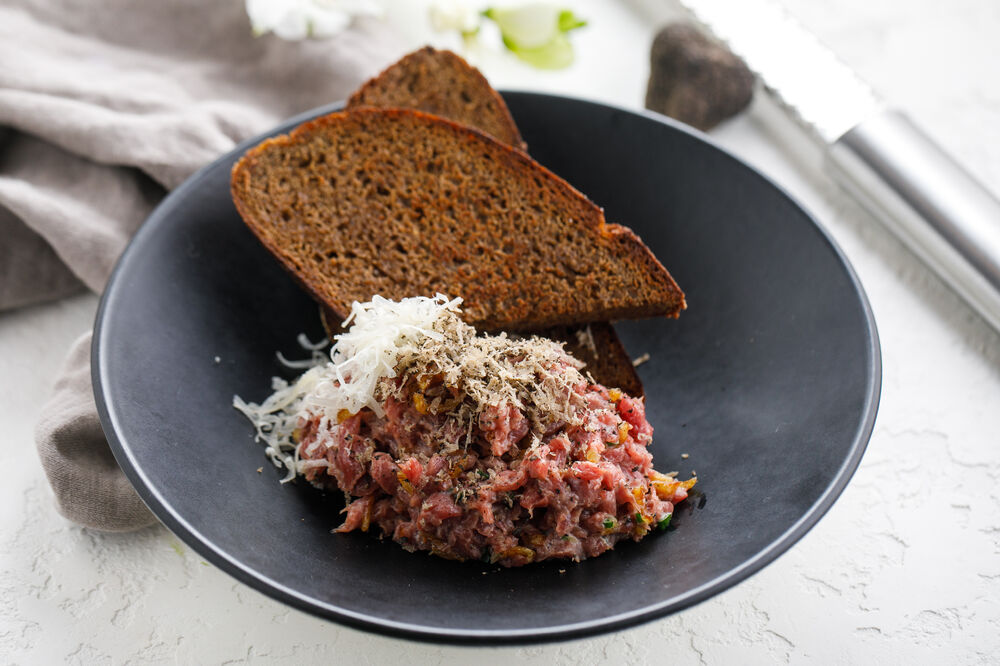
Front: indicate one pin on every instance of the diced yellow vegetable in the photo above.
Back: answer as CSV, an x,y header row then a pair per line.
x,y
518,551
639,494
423,381
405,482
666,486
623,429
367,520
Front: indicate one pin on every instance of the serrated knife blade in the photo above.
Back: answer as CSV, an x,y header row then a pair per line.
x,y
895,170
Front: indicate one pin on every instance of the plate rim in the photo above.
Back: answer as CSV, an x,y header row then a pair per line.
x,y
180,527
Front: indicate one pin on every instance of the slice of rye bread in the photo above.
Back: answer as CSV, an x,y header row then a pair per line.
x,y
443,84
398,202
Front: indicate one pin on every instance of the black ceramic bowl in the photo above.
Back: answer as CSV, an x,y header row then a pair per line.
x,y
770,381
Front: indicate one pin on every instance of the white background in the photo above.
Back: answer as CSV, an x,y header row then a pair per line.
x,y
904,569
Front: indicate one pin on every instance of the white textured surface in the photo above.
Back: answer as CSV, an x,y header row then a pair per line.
x,y
904,569
763,33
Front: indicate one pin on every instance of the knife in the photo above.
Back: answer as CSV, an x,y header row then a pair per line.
x,y
939,210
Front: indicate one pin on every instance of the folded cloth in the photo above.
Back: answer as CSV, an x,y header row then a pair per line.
x,y
104,106
89,486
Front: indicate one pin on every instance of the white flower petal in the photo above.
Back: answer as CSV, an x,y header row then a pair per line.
x,y
299,19
448,15
530,26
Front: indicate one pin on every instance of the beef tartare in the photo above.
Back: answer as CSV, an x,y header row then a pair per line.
x,y
468,446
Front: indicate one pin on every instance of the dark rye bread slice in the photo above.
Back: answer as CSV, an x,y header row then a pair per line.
x,y
443,84
397,202
607,361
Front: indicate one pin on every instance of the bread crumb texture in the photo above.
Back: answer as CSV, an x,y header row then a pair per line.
x,y
401,203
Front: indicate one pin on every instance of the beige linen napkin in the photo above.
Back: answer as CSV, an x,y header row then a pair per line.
x,y
103,106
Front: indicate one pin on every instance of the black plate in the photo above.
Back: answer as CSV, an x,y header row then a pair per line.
x,y
770,381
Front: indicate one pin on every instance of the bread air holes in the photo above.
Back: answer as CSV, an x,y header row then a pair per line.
x,y
335,256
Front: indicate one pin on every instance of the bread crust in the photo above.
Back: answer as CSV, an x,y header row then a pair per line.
x,y
512,300
441,83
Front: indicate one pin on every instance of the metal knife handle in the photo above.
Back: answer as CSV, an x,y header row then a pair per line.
x,y
937,208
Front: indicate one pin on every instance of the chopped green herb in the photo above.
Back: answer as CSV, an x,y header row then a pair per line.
x,y
638,518
483,474
568,21
665,523
609,523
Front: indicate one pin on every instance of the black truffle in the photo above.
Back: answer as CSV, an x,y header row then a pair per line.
x,y
694,79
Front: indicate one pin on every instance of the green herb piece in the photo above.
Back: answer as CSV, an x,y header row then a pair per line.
x,y
639,519
483,474
665,523
569,21
609,523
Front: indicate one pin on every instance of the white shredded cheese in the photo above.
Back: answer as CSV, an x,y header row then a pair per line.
x,y
585,338
380,331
